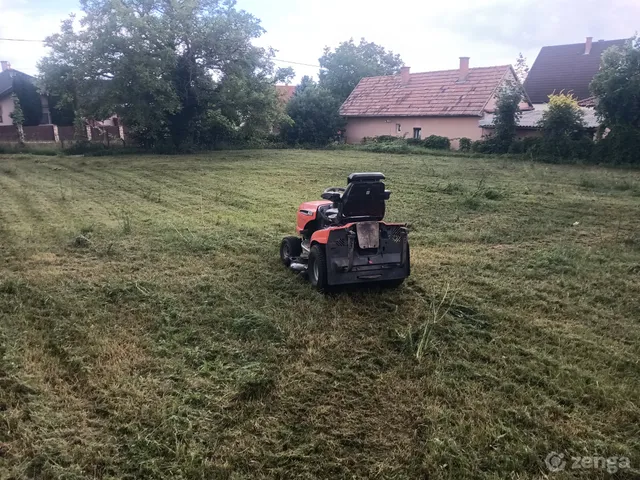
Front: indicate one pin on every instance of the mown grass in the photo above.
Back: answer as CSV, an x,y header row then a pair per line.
x,y
148,329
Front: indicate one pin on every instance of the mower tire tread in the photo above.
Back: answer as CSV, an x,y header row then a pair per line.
x,y
318,276
290,247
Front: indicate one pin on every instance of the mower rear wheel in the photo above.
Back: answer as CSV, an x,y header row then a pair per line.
x,y
290,247
317,270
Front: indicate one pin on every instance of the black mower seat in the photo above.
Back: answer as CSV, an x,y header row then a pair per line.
x,y
363,201
365,177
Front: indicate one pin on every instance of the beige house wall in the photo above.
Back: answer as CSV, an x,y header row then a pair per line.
x,y
451,127
6,108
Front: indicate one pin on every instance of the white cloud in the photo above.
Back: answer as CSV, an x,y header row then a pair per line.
x,y
428,35
22,20
432,35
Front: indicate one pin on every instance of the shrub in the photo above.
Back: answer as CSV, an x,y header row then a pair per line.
x,y
437,142
390,147
465,144
531,144
516,147
386,139
484,146
621,145
415,142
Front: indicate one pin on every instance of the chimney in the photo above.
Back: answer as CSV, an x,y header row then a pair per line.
x,y
5,65
404,74
464,69
587,46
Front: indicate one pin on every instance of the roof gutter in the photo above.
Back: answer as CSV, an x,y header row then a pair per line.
x,y
8,90
391,115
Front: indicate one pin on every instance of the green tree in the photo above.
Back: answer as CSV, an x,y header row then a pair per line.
x,y
305,82
170,70
17,117
617,85
563,128
521,68
617,88
563,117
343,68
313,111
506,117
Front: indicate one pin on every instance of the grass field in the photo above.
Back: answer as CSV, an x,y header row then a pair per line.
x,y
148,329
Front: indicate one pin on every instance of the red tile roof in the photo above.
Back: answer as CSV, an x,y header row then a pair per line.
x,y
285,92
425,94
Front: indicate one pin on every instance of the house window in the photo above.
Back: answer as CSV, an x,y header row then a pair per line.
x,y
398,128
416,133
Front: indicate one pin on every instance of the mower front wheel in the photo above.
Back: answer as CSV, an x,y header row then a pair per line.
x,y
290,247
317,269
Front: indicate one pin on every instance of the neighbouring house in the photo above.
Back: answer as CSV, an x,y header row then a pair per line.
x,y
448,103
528,123
560,69
96,130
566,69
7,77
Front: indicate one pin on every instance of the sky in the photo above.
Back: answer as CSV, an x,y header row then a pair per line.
x,y
428,35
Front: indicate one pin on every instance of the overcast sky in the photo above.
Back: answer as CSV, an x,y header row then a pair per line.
x,y
428,35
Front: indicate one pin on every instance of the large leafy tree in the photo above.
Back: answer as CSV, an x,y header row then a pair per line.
x,y
313,111
617,88
617,85
344,67
172,70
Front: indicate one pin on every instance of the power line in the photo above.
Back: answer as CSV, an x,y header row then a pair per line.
x,y
20,40
292,62
296,63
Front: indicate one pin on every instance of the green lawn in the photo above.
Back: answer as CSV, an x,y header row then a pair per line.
x,y
148,330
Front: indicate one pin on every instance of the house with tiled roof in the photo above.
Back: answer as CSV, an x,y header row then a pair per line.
x,y
560,69
567,69
8,77
448,103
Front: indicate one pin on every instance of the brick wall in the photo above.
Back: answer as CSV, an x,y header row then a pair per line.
x,y
40,133
66,134
46,134
8,133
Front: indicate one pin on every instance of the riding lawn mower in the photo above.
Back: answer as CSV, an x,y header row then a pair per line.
x,y
343,240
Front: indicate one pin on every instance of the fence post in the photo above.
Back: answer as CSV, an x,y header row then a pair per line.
x,y
56,135
88,130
